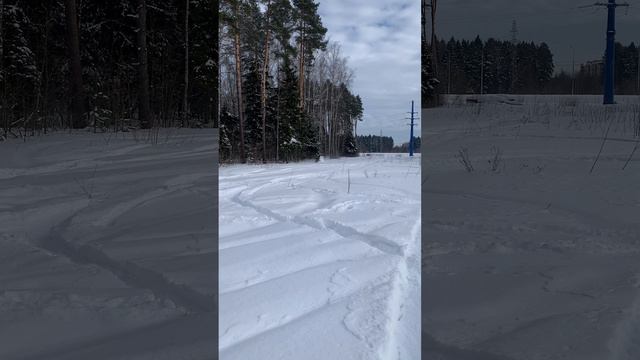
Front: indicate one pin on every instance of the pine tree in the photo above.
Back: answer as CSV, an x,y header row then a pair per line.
x,y
310,37
289,114
544,66
308,136
228,134
349,147
253,112
429,82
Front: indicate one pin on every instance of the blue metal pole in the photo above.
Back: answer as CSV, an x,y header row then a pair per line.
x,y
411,137
610,53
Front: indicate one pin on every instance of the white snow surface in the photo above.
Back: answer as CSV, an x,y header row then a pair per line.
x,y
536,257
108,246
320,260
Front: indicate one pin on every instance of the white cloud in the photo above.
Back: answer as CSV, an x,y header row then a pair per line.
x,y
381,38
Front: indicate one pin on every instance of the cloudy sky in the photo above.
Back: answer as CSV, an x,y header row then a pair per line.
x,y
381,39
563,25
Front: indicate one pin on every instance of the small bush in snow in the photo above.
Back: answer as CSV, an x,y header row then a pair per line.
x,y
463,158
496,163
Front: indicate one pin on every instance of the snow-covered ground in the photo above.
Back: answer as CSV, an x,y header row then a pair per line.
x,y
531,256
108,246
321,260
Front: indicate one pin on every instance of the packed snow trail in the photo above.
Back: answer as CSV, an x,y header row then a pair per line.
x,y
108,246
320,260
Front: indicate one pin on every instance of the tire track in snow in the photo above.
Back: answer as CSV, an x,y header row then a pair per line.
x,y
129,272
399,279
379,242
173,185
400,283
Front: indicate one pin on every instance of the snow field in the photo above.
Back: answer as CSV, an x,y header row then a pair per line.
x,y
537,257
319,260
107,246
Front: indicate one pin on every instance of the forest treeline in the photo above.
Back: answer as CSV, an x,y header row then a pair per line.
x,y
107,64
384,144
284,88
493,66
532,72
502,67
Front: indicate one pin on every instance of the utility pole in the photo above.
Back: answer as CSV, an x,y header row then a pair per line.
x,y
638,73
609,65
411,131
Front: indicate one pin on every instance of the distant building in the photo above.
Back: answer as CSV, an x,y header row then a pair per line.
x,y
592,68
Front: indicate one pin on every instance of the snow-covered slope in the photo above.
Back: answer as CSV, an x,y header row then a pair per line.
x,y
531,256
321,260
108,246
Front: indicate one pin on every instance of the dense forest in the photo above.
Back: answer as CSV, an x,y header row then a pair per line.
x,y
477,67
284,88
461,70
493,66
384,144
106,64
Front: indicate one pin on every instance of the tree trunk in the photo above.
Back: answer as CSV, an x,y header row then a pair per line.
x,y
278,126
185,99
144,108
355,129
434,58
263,89
217,79
44,75
77,92
239,81
301,69
3,115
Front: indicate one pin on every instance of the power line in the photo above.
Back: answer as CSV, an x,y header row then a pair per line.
x,y
528,14
496,15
